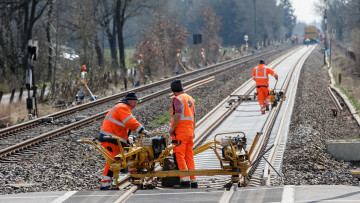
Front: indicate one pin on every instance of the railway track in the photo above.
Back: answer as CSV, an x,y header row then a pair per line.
x,y
23,137
195,83
143,90
214,119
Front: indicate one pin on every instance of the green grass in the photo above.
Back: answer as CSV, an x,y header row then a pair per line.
x,y
164,118
352,100
197,99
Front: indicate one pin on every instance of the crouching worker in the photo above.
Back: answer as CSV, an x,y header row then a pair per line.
x,y
182,133
118,122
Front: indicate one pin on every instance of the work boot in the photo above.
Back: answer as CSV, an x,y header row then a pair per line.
x,y
267,108
106,185
194,185
183,185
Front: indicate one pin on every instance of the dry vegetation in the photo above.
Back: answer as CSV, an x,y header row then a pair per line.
x,y
349,69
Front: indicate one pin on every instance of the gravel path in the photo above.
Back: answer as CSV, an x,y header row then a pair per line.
x,y
305,160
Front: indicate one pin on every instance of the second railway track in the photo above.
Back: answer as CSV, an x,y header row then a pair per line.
x,y
21,136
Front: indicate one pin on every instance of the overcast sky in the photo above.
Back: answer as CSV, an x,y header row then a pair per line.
x,y
304,10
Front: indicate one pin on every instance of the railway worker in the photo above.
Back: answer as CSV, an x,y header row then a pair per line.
x,y
177,61
139,70
219,59
118,122
83,81
203,58
261,76
182,133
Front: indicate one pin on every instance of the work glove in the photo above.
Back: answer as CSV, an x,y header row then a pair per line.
x,y
276,78
146,133
131,141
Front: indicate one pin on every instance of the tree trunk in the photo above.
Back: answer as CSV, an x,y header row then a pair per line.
x,y
120,18
99,53
48,37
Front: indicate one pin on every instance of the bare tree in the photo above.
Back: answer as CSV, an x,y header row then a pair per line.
x,y
159,45
211,39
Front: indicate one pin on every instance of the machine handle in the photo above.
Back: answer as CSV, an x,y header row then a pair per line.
x,y
78,141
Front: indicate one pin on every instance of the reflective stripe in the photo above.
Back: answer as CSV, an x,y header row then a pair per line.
x,y
126,119
112,135
139,128
105,184
113,110
256,75
185,179
106,178
183,118
115,121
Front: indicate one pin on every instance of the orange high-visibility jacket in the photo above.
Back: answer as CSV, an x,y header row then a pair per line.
x,y
261,74
186,123
118,121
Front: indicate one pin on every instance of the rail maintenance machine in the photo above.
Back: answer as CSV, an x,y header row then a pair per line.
x,y
150,152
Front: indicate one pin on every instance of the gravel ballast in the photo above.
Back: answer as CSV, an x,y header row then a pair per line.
x,y
305,160
62,164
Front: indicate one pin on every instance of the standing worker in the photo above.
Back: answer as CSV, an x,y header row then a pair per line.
x,y
219,59
177,62
139,70
83,81
203,58
182,133
119,122
261,76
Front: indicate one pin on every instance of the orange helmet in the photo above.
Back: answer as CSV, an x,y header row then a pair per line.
x,y
178,51
140,55
202,49
83,67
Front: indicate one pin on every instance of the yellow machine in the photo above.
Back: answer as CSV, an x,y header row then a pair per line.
x,y
276,95
149,151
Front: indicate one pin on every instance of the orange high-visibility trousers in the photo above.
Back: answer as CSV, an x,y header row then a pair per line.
x,y
263,97
184,155
112,149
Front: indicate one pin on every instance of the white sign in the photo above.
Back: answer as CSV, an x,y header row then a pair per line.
x,y
246,38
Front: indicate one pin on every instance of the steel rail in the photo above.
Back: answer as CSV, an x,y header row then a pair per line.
x,y
282,127
33,141
335,100
268,126
37,121
203,135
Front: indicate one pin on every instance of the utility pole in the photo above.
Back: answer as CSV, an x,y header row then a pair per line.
x,y
325,37
31,103
255,38
325,21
